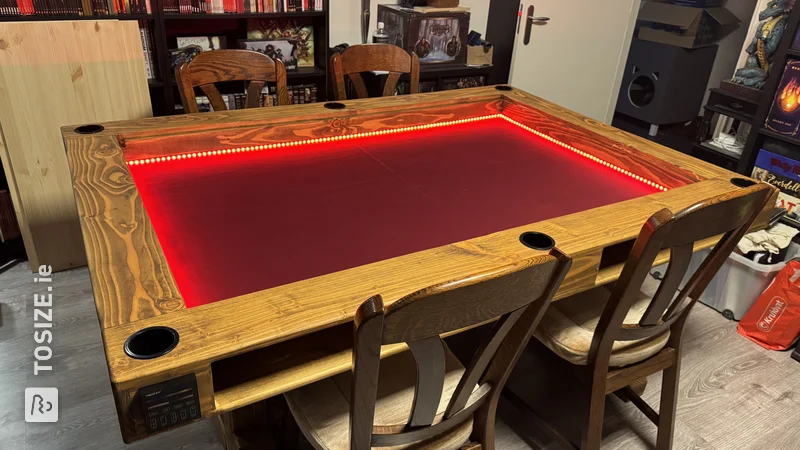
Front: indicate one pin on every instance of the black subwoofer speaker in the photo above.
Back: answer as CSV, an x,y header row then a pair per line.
x,y
663,83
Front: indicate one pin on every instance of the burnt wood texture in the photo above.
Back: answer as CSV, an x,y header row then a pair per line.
x,y
357,59
221,66
134,287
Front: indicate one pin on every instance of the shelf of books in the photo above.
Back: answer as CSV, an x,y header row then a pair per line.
x,y
20,10
73,9
246,8
294,31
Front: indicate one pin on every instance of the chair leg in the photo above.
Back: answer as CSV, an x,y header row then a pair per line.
x,y
593,431
483,426
290,431
669,403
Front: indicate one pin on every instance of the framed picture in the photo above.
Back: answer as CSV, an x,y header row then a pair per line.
x,y
205,43
302,31
191,46
283,49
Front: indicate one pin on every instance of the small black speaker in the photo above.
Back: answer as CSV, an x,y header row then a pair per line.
x,y
663,83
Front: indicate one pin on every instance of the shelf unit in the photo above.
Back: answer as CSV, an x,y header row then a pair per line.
x,y
166,27
759,134
74,17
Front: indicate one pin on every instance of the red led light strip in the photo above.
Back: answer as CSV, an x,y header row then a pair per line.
x,y
586,155
256,148
253,148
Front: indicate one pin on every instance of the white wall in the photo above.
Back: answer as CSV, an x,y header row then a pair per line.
x,y
346,18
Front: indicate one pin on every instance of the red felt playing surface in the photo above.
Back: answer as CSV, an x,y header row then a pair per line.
x,y
239,223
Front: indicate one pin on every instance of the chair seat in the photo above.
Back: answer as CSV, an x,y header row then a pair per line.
x,y
568,325
322,409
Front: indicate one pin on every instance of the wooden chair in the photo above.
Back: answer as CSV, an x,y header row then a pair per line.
x,y
365,58
220,66
425,398
613,336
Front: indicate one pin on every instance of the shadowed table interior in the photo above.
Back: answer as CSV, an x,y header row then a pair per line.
x,y
236,223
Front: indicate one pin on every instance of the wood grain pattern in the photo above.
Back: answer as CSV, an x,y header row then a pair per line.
x,y
54,74
137,281
373,57
193,123
337,124
221,66
135,289
624,139
620,154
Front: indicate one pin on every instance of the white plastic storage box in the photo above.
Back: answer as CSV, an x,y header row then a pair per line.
x,y
736,286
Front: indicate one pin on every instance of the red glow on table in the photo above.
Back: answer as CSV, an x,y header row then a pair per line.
x,y
238,223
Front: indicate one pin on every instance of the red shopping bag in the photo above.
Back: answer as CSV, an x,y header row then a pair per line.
x,y
774,320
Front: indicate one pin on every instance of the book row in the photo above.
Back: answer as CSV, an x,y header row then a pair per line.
x,y
146,35
240,6
121,7
300,94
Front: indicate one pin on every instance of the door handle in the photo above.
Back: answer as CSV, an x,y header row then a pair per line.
x,y
530,21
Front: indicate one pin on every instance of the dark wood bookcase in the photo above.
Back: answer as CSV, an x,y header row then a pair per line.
x,y
759,134
167,27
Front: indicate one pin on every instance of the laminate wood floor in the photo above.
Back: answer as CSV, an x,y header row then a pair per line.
x,y
733,394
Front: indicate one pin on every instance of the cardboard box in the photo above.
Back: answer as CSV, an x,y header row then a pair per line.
x,y
436,38
477,55
684,26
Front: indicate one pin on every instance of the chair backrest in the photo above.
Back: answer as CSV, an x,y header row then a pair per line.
x,y
729,215
516,293
368,57
220,66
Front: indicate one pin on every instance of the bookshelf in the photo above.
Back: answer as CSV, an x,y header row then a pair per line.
x,y
760,136
166,26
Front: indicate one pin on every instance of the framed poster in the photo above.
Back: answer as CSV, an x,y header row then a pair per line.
x,y
283,49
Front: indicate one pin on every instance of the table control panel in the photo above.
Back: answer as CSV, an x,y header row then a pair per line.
x,y
170,403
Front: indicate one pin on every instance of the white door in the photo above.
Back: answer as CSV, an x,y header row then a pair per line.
x,y
576,58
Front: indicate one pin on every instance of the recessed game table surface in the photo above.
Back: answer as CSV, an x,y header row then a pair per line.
x,y
229,251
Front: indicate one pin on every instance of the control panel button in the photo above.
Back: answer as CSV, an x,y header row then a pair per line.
x,y
170,403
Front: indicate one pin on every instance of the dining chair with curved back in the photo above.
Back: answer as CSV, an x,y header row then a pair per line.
x,y
425,398
613,336
221,66
357,59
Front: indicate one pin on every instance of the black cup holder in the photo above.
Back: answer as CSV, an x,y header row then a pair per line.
x,y
334,105
150,343
503,87
536,240
742,182
89,129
